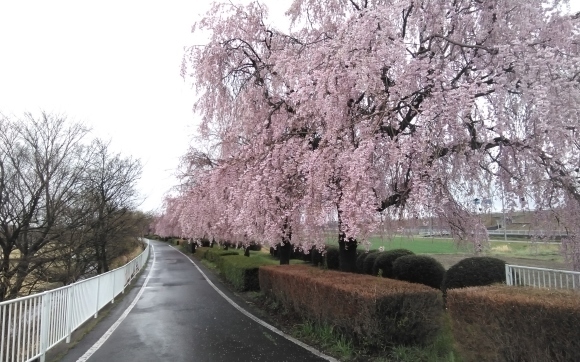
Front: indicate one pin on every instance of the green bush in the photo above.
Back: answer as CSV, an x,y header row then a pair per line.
x,y
201,251
316,257
255,247
472,272
331,257
360,260
384,262
215,255
306,255
369,263
420,269
241,272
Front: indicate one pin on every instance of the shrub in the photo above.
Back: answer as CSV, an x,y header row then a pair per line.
x,y
360,260
205,242
305,255
186,247
316,257
503,323
331,257
384,262
255,247
200,252
241,272
369,263
472,272
420,269
216,255
374,312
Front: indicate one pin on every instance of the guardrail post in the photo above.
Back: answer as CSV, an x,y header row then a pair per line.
x,y
44,324
69,311
113,275
98,293
125,277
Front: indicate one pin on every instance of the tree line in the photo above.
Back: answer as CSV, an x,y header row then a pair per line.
x,y
67,203
370,111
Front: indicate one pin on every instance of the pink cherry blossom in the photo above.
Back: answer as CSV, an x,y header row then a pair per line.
x,y
371,110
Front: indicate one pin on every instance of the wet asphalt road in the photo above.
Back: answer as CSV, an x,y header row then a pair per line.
x,y
180,317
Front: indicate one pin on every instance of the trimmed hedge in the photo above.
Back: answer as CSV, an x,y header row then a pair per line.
x,y
360,260
255,247
241,272
369,263
384,262
200,251
307,257
317,259
215,255
204,242
331,258
501,323
473,272
238,270
376,312
420,269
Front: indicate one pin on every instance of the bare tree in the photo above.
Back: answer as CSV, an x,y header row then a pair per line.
x,y
66,209
41,164
109,190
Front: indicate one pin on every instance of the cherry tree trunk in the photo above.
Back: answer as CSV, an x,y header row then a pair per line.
x,y
285,251
247,251
285,248
347,254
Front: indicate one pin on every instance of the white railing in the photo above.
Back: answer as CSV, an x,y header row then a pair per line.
x,y
518,275
549,233
32,325
443,232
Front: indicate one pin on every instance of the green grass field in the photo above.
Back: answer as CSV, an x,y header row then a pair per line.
x,y
427,245
266,258
419,245
262,256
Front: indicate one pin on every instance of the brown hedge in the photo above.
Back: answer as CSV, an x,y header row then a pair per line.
x,y
502,323
377,312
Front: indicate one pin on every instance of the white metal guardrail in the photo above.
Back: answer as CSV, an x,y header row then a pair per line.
x,y
32,325
541,277
526,232
508,232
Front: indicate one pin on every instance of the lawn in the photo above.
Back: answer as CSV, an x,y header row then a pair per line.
x,y
540,251
428,245
265,257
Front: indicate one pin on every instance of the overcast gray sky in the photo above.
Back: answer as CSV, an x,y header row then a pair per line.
x,y
114,65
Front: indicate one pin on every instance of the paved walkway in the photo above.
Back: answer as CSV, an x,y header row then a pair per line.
x,y
180,317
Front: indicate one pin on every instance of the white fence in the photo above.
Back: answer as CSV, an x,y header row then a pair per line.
x,y
545,233
499,232
32,325
541,278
